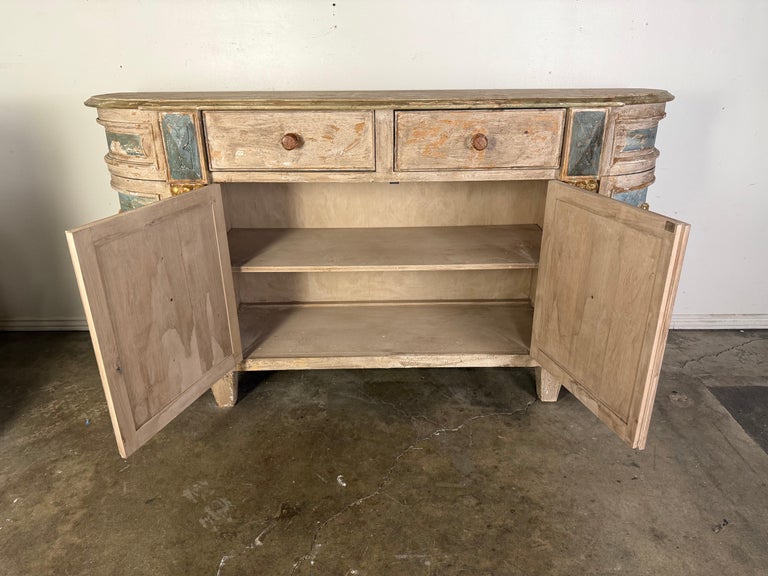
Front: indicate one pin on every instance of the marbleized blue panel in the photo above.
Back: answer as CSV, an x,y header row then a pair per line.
x,y
635,197
586,142
131,201
180,137
125,144
640,139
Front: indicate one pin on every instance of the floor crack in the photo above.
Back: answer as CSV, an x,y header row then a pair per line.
x,y
388,477
256,543
222,563
718,354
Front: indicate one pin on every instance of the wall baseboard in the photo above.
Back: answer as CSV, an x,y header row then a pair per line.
x,y
42,324
719,321
679,322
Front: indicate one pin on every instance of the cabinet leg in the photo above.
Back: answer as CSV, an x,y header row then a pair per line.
x,y
547,388
225,391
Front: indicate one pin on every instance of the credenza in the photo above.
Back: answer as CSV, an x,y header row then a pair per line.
x,y
320,230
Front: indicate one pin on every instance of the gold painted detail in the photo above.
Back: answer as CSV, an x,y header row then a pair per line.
x,y
645,206
588,185
177,189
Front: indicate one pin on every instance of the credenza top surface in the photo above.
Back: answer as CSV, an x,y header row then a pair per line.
x,y
395,99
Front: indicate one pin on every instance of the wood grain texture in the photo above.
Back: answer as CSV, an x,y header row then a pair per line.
x,y
446,140
383,229
661,332
253,140
159,299
384,286
378,205
385,141
393,99
386,335
606,278
547,386
384,249
508,174
225,390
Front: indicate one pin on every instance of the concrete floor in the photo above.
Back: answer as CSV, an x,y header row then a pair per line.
x,y
413,472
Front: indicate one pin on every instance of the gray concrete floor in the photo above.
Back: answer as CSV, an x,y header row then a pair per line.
x,y
414,472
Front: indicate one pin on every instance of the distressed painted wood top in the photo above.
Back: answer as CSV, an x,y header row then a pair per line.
x,y
395,99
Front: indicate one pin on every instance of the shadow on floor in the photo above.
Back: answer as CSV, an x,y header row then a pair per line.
x,y
749,407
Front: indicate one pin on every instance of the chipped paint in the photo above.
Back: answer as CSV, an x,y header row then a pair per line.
x,y
586,142
635,197
640,139
180,137
125,145
130,201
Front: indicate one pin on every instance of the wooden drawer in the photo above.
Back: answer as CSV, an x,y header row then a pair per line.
x,y
478,139
264,140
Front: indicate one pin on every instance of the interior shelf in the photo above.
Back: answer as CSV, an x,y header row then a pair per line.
x,y
385,249
386,335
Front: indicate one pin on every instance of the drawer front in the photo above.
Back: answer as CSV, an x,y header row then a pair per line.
x,y
478,139
264,140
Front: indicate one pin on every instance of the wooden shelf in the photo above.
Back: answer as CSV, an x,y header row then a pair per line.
x,y
386,335
385,249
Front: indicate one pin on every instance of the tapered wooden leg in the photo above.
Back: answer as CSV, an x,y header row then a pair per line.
x,y
225,391
547,388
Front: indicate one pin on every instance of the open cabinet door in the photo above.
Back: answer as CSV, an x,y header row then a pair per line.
x,y
157,289
607,281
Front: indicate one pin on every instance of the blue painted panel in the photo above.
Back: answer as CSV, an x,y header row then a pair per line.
x,y
640,139
125,144
586,142
180,137
635,197
131,201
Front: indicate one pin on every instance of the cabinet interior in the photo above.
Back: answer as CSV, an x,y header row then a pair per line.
x,y
385,274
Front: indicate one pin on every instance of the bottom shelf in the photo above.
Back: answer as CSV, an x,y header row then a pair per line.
x,y
385,335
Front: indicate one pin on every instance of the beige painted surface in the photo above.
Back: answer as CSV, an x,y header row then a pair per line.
x,y
406,335
380,286
162,318
478,139
253,140
376,205
607,277
385,249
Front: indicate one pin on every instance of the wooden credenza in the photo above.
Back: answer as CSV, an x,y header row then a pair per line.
x,y
320,230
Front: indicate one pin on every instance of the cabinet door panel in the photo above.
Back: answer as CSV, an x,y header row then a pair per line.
x,y
607,279
157,289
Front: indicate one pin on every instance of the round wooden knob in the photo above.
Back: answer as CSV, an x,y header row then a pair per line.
x,y
291,141
479,142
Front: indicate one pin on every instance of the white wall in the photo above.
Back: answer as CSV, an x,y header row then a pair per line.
x,y
712,55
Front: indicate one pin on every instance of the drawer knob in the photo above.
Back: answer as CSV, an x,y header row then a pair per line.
x,y
479,141
291,140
